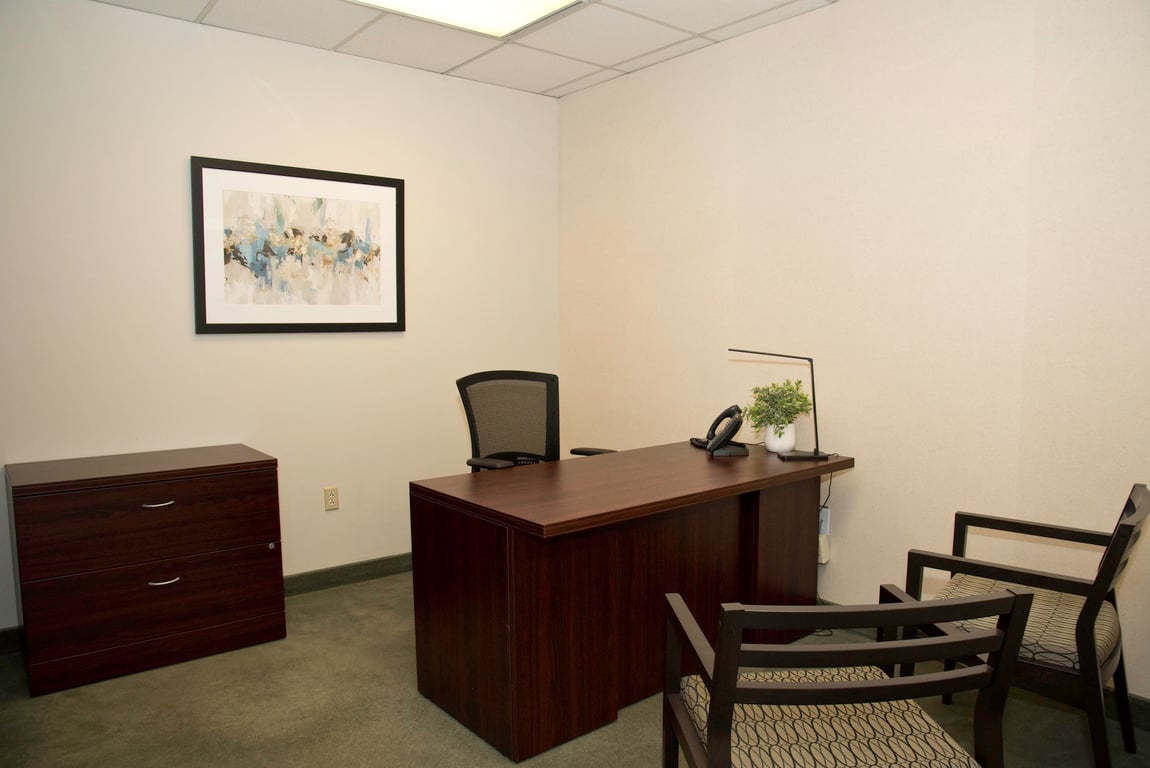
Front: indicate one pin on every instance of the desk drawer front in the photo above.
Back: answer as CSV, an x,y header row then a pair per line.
x,y
73,532
92,611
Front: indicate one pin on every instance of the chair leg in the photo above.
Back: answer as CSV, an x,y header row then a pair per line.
x,y
988,741
1125,716
670,743
948,665
1095,705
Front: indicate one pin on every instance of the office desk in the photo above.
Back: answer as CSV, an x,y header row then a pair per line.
x,y
539,605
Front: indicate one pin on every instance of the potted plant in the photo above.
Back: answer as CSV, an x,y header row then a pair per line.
x,y
774,410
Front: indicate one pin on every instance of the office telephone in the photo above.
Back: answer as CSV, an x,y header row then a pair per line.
x,y
720,437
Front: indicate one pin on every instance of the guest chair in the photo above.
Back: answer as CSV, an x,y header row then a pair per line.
x,y
513,417
1073,641
836,704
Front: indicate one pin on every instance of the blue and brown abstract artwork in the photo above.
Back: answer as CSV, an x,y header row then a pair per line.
x,y
287,249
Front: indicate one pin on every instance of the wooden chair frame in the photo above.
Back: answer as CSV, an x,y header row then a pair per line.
x,y
901,644
1082,688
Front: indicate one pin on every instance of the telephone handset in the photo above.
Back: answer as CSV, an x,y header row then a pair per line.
x,y
720,437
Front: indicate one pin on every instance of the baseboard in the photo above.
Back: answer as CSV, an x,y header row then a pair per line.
x,y
10,640
296,584
339,575
1139,710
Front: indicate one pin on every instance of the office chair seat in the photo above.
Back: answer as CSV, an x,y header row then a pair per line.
x,y
866,735
1049,635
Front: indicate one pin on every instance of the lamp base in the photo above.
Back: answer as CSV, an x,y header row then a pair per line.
x,y
804,456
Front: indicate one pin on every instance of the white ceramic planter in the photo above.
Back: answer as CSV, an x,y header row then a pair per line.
x,y
777,444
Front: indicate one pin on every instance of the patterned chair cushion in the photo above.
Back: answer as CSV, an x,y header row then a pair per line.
x,y
1049,636
886,734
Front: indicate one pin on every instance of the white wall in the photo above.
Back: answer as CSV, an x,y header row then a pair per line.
x,y
102,109
942,202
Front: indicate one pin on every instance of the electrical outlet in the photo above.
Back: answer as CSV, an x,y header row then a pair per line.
x,y
330,498
824,535
824,549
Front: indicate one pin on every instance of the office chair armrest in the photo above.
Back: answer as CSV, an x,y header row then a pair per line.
x,y
963,521
918,560
490,463
590,451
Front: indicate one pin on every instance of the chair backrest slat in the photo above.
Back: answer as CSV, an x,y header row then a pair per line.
x,y
856,654
981,652
859,691
792,617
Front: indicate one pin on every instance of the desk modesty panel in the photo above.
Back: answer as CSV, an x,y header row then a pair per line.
x,y
539,589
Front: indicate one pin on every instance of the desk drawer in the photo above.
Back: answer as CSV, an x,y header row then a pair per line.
x,y
117,606
74,532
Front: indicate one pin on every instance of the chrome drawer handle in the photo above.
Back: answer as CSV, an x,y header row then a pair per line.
x,y
163,583
157,506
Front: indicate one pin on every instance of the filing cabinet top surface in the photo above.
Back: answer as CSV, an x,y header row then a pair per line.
x,y
60,475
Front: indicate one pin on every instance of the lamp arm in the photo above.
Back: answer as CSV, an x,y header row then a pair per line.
x,y
814,400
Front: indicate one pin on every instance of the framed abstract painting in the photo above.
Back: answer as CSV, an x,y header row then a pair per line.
x,y
289,250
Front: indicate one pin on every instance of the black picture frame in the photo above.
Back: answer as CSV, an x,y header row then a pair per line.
x,y
279,249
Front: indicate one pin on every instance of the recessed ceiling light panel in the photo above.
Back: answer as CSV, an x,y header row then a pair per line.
x,y
497,18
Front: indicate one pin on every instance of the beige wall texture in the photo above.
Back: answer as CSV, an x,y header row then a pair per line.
x,y
941,202
102,109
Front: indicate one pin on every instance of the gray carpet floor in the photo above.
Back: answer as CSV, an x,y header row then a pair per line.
x,y
340,692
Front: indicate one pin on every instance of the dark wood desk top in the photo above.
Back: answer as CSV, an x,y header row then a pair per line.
x,y
577,494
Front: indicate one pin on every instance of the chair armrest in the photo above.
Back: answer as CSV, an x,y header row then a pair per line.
x,y
889,593
681,625
917,560
590,451
966,520
490,463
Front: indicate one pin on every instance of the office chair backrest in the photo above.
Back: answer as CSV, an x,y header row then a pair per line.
x,y
512,415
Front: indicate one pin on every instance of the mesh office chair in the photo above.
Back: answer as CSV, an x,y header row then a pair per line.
x,y
513,417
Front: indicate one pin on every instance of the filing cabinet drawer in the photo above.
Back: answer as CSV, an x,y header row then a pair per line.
x,y
79,531
80,614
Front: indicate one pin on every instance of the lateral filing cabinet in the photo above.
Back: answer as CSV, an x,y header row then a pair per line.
x,y
130,562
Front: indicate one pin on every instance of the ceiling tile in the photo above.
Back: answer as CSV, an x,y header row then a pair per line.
x,y
180,9
320,23
601,35
529,70
590,42
696,15
601,76
670,52
766,19
414,43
